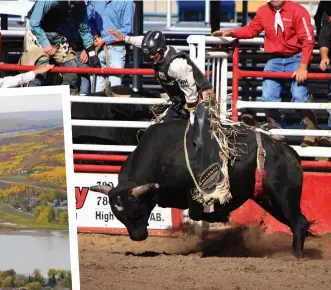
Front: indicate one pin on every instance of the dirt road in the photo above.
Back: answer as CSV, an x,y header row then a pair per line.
x,y
237,259
27,183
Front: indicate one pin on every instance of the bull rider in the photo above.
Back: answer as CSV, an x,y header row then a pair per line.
x,y
191,94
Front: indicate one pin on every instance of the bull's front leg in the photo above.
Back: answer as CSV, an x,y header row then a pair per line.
x,y
196,213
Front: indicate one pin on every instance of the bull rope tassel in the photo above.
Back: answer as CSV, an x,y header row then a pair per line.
x,y
158,117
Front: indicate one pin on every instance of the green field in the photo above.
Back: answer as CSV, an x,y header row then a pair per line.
x,y
12,218
10,211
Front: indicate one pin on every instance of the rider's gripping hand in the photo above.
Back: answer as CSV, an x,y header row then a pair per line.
x,y
191,108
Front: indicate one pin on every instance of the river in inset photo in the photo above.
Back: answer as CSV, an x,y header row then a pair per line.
x,y
27,250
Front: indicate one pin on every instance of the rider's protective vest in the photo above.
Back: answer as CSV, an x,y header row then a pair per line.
x,y
170,85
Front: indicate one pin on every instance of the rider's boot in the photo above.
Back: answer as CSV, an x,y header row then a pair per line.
x,y
200,122
211,171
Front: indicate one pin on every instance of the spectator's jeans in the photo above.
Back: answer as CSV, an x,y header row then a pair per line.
x,y
83,80
116,56
272,88
68,78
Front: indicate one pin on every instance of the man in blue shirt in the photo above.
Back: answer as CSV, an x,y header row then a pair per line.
x,y
46,19
105,15
71,31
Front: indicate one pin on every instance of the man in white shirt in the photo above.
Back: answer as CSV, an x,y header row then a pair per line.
x,y
21,79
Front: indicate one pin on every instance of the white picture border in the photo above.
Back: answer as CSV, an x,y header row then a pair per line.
x,y
69,157
64,92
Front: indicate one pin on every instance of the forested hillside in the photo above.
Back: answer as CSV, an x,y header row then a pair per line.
x,y
39,154
33,177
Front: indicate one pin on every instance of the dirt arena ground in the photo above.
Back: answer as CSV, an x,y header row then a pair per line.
x,y
234,259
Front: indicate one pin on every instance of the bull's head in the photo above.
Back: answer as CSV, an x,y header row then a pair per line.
x,y
132,207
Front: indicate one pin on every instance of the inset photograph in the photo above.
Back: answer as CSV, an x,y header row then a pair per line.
x,y
34,235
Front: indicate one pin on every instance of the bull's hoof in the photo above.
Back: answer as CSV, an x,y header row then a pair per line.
x,y
298,254
101,188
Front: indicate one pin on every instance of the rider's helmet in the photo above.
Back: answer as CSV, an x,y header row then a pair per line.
x,y
154,45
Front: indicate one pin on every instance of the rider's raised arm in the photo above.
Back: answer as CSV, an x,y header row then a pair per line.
x,y
134,40
182,72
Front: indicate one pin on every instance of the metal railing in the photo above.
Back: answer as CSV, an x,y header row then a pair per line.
x,y
217,67
199,53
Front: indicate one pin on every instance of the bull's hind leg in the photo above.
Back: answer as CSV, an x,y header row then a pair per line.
x,y
299,235
285,207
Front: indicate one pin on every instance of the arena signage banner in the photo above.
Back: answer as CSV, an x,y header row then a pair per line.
x,y
93,209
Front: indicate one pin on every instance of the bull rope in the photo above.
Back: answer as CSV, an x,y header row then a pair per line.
x,y
187,160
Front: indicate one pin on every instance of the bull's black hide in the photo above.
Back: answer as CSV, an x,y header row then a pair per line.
x,y
159,158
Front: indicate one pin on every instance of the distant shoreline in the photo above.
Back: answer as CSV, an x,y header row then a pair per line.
x,y
29,231
29,130
21,227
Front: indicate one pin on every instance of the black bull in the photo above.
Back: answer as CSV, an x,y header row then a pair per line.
x,y
159,159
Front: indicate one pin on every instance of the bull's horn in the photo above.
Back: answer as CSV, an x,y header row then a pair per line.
x,y
105,189
141,190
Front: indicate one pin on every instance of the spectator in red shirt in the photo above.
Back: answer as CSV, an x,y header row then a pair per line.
x,y
289,38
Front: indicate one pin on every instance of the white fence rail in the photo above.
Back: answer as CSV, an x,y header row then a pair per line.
x,y
113,124
283,105
304,152
119,100
301,132
106,148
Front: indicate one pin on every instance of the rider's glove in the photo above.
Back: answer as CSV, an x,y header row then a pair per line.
x,y
192,117
191,109
93,60
190,106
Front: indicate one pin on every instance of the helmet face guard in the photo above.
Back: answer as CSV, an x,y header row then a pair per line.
x,y
154,45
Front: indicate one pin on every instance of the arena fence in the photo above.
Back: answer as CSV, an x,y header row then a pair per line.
x,y
93,212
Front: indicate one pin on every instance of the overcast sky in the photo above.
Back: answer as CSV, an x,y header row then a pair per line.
x,y
30,103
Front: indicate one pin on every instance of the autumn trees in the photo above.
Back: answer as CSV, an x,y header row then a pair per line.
x,y
35,281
